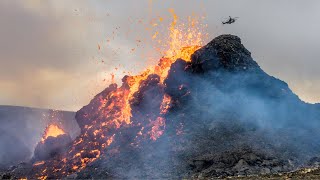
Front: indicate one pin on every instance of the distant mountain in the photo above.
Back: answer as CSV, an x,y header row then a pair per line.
x,y
21,128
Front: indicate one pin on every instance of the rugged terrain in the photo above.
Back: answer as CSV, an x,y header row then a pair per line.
x,y
235,118
226,118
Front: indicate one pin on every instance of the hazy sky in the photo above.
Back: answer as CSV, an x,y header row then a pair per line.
x,y
49,54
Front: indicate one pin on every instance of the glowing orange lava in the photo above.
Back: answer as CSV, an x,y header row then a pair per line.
x,y
38,163
112,110
184,40
165,105
53,131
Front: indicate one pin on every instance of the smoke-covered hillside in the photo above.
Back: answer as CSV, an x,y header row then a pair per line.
x,y
217,115
22,128
228,117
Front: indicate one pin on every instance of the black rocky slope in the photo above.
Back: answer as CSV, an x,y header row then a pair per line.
x,y
233,119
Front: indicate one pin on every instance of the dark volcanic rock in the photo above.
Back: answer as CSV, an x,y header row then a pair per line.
x,y
224,52
82,115
229,65
51,147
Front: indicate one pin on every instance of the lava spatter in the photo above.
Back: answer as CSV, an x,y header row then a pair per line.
x,y
104,122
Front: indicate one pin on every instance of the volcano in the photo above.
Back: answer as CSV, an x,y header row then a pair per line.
x,y
211,113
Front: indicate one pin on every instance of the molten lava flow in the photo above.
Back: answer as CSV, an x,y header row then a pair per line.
x,y
53,131
183,41
39,163
110,112
157,128
165,105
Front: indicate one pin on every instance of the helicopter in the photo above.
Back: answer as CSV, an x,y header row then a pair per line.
x,y
230,20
